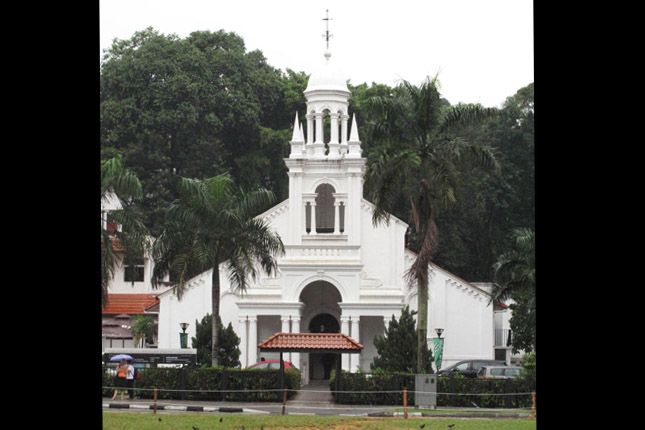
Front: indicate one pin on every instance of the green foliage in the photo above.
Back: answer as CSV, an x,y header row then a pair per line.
x,y
216,383
143,327
478,229
121,184
515,278
229,351
397,349
529,368
192,107
365,385
452,390
485,393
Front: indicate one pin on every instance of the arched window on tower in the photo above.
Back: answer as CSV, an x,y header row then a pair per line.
x,y
325,209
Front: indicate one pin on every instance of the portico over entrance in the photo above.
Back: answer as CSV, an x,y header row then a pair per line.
x,y
310,344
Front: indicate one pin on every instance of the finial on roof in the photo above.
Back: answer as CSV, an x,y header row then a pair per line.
x,y
327,35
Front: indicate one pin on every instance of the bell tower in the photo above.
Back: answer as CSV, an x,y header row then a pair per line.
x,y
325,164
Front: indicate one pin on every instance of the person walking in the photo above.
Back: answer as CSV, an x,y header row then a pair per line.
x,y
120,383
129,377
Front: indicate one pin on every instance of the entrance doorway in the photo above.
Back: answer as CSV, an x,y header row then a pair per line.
x,y
323,363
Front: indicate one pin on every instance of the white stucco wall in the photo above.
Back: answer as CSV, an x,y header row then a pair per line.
x,y
195,303
462,310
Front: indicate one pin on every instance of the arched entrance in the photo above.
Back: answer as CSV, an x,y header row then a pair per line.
x,y
321,314
323,363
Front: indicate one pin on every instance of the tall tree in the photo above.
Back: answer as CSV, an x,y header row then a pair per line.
x,y
215,222
129,235
190,107
478,229
417,159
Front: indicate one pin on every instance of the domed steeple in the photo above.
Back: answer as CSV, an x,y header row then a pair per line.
x,y
327,78
327,99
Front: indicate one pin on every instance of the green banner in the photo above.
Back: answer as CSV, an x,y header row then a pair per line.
x,y
438,351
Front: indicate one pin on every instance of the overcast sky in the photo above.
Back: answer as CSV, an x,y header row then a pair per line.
x,y
482,49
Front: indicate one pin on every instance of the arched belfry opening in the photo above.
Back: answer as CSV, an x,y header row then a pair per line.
x,y
321,314
325,213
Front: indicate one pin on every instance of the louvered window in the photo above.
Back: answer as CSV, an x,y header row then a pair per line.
x,y
325,209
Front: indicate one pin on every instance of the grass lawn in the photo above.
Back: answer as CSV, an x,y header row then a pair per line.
x,y
204,421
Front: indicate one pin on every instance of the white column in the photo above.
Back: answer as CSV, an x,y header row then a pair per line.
x,y
285,323
319,125
295,328
285,329
319,145
253,339
344,323
333,141
310,128
304,217
334,128
336,217
312,205
243,339
356,358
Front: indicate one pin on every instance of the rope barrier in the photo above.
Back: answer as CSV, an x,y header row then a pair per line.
x,y
320,391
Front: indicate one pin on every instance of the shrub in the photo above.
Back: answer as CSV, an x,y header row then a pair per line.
x,y
487,393
214,383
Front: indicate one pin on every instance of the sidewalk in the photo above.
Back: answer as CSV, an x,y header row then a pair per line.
x,y
306,407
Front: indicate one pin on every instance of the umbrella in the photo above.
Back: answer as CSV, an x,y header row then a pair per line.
x,y
120,357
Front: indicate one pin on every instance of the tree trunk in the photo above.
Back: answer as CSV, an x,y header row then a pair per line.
x,y
422,326
215,304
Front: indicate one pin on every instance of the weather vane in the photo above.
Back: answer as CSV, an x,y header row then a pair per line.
x,y
327,35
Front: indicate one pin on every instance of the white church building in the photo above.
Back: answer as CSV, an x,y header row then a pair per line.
x,y
339,273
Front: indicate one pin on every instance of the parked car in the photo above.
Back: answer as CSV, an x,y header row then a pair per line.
x,y
271,364
469,368
499,372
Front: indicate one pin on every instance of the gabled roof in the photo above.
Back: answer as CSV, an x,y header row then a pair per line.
x,y
131,304
311,342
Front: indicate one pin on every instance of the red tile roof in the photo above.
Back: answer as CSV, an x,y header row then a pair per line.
x,y
131,304
304,342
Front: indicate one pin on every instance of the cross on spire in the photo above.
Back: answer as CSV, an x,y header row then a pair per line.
x,y
327,35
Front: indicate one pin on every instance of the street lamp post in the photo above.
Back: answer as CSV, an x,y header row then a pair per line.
x,y
438,348
183,337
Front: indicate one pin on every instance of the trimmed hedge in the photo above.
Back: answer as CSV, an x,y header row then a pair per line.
x,y
214,384
468,392
367,382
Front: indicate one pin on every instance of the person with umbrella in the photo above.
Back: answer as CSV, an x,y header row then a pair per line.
x,y
120,383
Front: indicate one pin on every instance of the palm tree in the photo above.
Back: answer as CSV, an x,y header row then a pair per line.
x,y
214,222
515,278
420,150
119,183
143,327
515,269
